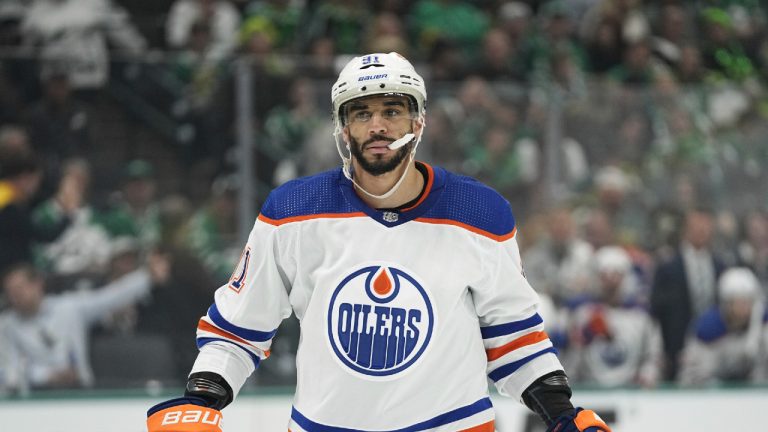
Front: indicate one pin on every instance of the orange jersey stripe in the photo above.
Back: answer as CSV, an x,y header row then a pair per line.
x,y
499,238
206,326
485,427
278,222
427,189
529,339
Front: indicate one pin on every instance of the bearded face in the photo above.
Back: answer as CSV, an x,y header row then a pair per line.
x,y
372,124
378,164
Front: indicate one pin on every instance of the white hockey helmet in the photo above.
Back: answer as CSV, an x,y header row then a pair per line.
x,y
612,259
738,282
376,74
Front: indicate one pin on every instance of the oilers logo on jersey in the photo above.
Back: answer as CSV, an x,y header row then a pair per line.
x,y
380,321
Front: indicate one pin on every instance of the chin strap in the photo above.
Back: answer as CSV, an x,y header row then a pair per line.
x,y
347,162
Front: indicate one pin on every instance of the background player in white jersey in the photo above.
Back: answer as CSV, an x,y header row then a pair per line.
x,y
406,280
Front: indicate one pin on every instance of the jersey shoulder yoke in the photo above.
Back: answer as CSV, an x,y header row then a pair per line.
x,y
307,197
473,205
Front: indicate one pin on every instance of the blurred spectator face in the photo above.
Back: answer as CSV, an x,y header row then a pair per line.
x,y
474,93
563,68
259,43
139,192
737,312
634,135
388,24
496,47
497,141
756,227
24,290
387,35
323,48
561,226
679,122
58,89
322,56
598,230
610,283
699,228
224,204
718,34
685,192
446,60
79,171
28,184
607,35
666,86
637,56
14,139
673,23
303,93
558,26
689,66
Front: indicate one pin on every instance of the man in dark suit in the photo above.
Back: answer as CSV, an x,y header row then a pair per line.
x,y
684,285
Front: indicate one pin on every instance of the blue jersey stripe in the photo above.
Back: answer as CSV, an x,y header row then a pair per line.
x,y
247,334
510,368
511,327
206,340
440,420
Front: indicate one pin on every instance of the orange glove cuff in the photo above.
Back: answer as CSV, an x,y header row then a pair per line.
x,y
185,418
589,418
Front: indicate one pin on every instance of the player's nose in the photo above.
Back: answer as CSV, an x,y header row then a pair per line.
x,y
377,125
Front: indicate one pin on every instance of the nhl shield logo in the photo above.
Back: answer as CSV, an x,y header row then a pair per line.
x,y
389,216
380,321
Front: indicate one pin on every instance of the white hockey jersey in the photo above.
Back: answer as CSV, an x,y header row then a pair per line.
x,y
403,314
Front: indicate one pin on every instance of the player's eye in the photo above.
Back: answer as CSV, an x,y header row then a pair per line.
x,y
361,116
392,113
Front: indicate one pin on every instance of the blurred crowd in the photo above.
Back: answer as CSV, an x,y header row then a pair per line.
x,y
628,135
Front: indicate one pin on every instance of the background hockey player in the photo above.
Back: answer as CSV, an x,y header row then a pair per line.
x,y
728,343
406,279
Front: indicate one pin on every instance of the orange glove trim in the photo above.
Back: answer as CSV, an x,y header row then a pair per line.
x,y
589,418
185,418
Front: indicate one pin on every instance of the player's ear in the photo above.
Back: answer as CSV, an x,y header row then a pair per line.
x,y
418,125
345,134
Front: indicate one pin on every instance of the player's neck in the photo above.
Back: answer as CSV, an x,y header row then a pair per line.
x,y
409,189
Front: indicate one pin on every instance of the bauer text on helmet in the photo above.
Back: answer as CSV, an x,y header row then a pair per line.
x,y
377,74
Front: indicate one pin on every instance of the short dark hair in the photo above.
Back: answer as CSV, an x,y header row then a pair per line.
x,y
14,163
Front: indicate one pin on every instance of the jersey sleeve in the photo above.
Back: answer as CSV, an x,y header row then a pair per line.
x,y
236,332
517,347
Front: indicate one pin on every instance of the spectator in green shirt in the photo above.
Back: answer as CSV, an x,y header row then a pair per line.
x,y
134,211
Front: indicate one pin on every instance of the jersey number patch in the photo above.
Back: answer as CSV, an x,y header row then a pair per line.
x,y
237,280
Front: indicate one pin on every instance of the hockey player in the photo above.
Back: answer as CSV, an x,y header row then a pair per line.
x,y
730,340
406,279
